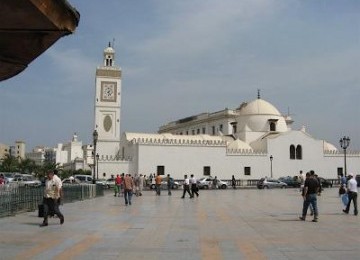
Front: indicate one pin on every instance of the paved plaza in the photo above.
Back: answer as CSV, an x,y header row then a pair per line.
x,y
219,224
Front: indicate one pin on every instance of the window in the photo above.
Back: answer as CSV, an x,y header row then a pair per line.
x,y
247,170
298,152
340,171
234,127
272,126
204,130
207,171
213,130
198,131
187,132
221,128
161,170
292,152
193,132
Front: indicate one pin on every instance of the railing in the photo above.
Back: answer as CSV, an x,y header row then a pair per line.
x,y
16,199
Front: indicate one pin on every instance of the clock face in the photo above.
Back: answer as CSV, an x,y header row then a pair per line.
x,y
108,91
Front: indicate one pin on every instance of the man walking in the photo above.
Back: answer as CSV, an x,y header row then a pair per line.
x,y
169,184
311,188
186,187
51,200
158,181
194,188
128,188
352,193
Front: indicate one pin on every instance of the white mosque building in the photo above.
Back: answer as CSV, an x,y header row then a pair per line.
x,y
251,141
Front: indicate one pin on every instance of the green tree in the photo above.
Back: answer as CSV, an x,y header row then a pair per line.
x,y
10,164
27,166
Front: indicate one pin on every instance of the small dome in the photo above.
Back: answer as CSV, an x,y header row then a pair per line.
x,y
238,144
109,50
329,147
258,107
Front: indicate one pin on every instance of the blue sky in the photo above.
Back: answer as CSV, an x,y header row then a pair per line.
x,y
181,58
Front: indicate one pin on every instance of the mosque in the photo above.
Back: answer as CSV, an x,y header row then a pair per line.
x,y
251,141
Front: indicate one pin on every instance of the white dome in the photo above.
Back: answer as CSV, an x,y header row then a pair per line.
x,y
258,107
238,145
329,147
109,50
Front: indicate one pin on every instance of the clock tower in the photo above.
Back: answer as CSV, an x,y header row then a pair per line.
x,y
107,106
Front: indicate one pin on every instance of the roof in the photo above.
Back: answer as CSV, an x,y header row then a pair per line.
x,y
258,107
30,27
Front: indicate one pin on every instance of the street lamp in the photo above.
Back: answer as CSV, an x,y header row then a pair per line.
x,y
97,166
344,143
271,159
95,139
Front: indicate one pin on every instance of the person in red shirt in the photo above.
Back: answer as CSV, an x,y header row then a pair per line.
x,y
118,182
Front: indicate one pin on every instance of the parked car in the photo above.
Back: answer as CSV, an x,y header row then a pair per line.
x,y
84,178
207,182
175,184
290,181
266,183
71,181
357,178
110,183
325,183
27,180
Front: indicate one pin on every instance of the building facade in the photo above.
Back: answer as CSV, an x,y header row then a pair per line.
x,y
251,141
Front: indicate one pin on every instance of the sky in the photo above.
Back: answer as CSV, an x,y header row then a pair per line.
x,y
182,58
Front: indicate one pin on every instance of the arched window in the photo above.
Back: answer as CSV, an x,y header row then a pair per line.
x,y
299,152
292,152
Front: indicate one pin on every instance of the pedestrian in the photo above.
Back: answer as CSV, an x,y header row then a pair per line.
x,y
215,182
233,182
128,188
352,193
137,183
117,185
169,183
158,181
302,181
342,188
121,190
52,195
186,187
194,187
141,184
311,188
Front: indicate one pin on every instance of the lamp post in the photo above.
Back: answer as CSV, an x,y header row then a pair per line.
x,y
271,172
344,143
95,139
97,166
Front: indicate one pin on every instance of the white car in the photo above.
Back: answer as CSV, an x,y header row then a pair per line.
x,y
27,180
207,182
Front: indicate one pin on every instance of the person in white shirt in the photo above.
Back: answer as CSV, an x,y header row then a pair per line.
x,y
352,192
186,187
52,195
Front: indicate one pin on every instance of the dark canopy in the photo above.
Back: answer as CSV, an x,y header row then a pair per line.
x,y
30,27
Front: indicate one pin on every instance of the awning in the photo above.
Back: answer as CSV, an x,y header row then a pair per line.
x,y
30,27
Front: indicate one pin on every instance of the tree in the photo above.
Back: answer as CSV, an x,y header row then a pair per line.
x,y
27,166
9,164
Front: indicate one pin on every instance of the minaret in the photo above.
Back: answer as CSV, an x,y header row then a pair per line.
x,y
108,106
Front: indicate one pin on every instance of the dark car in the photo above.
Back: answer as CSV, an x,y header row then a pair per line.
x,y
357,178
325,183
290,181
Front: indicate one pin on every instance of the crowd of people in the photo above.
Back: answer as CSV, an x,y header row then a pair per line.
x,y
126,185
311,188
